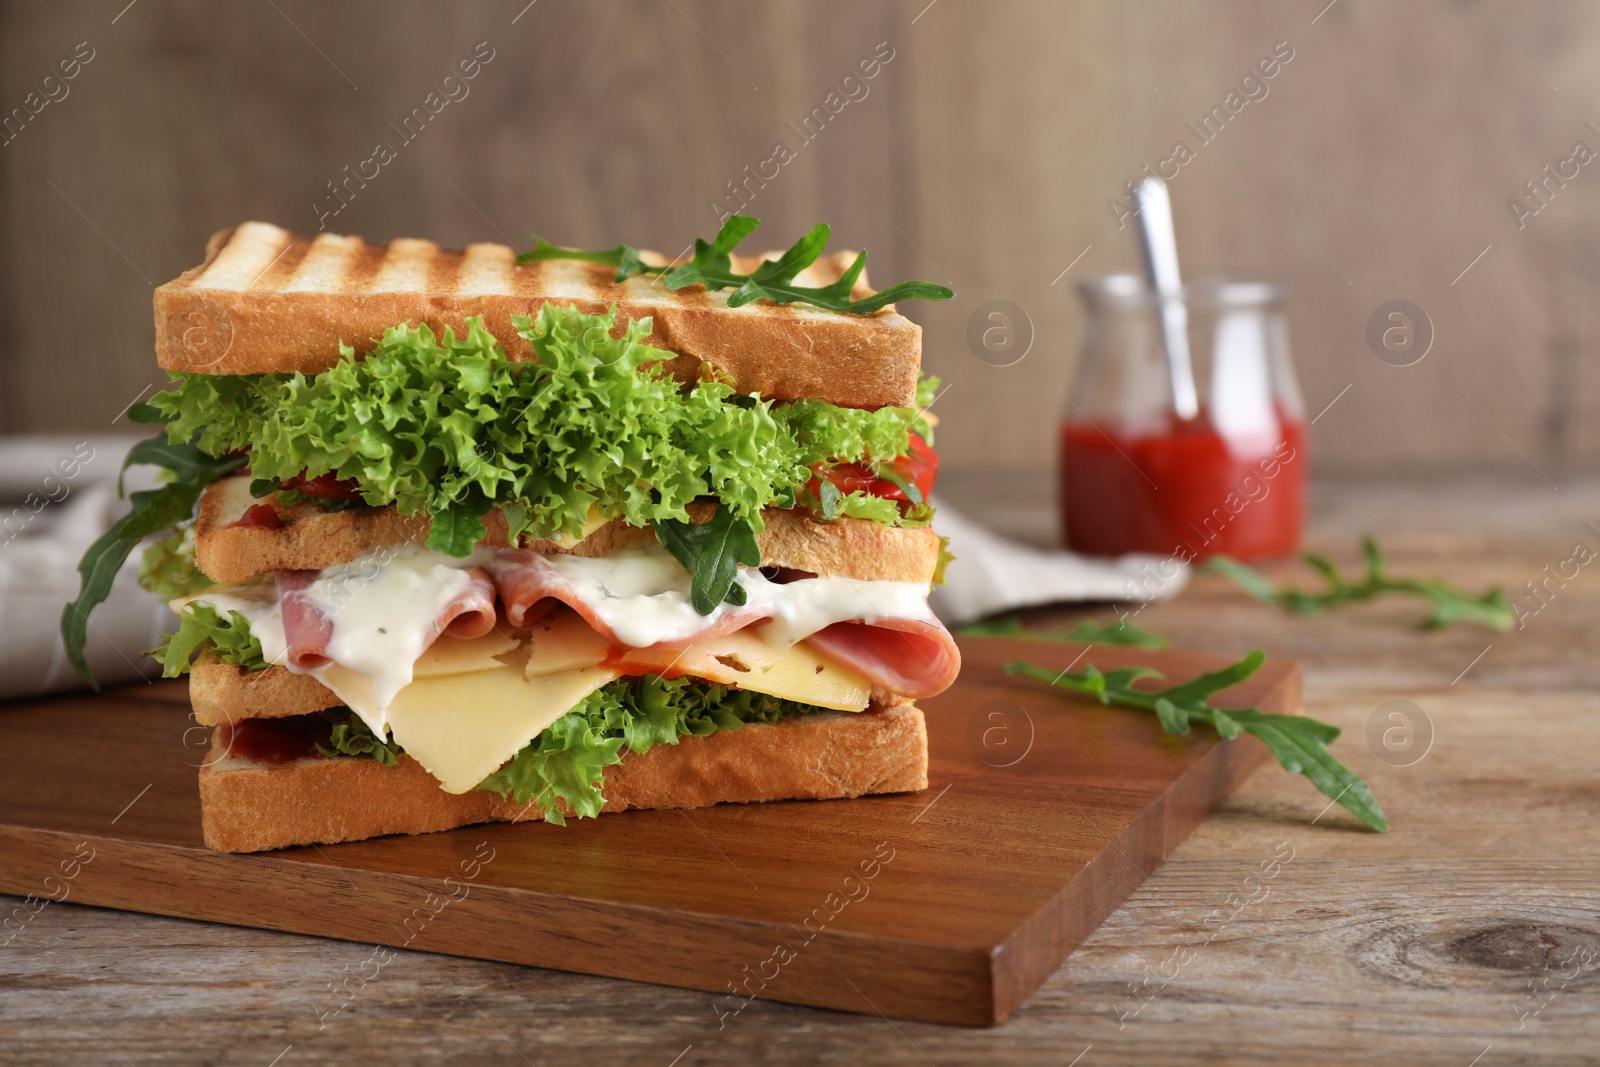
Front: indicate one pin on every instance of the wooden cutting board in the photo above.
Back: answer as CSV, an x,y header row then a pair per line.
x,y
1044,813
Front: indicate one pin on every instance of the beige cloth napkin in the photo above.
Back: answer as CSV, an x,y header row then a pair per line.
x,y
992,574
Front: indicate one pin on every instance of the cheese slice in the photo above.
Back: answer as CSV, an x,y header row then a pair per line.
x,y
562,641
463,727
799,672
746,659
451,655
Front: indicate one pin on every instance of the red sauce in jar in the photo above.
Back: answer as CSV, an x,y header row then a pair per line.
x,y
1184,491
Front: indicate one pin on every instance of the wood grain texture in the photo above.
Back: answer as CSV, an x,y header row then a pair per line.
x,y
1418,947
1377,167
952,905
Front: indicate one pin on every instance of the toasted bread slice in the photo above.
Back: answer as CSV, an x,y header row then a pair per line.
x,y
247,806
224,693
267,301
310,539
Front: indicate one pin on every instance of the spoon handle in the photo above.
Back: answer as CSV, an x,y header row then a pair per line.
x,y
1158,241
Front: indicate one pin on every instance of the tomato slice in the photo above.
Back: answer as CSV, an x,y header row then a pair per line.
x,y
325,486
919,467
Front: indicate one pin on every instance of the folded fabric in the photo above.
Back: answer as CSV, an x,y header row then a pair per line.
x,y
992,574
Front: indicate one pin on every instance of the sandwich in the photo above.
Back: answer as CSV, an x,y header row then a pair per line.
x,y
453,537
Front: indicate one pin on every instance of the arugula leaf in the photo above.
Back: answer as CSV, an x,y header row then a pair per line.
x,y
152,511
1299,743
711,551
144,413
1121,632
625,258
201,627
1448,604
900,482
773,280
458,525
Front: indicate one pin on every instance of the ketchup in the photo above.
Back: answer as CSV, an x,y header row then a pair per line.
x,y
275,741
325,486
1183,490
262,515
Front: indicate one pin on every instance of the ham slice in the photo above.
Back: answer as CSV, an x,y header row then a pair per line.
x,y
911,657
530,588
307,628
471,614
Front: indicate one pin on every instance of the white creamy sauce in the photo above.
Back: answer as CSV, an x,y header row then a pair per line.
x,y
643,595
385,606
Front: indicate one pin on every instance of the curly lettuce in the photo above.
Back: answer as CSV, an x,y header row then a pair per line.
x,y
562,770
167,567
449,426
202,628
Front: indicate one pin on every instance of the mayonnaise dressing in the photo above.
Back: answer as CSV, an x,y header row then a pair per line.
x,y
385,608
642,594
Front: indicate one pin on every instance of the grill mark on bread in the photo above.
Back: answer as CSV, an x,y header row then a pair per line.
x,y
361,269
278,273
603,283
528,279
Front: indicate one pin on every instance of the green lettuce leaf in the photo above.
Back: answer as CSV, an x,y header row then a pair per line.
x,y
439,425
200,627
167,566
353,738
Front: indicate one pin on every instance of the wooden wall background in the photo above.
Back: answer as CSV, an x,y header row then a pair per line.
x,y
1377,167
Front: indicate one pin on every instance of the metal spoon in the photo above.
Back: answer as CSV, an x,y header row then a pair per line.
x,y
1159,243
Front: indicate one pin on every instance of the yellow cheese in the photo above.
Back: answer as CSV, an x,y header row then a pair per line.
x,y
462,727
564,642
451,655
797,673
746,659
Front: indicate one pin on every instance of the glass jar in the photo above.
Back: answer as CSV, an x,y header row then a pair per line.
x,y
1137,477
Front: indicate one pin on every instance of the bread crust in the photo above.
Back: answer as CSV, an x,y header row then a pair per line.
x,y
267,301
249,807
311,539
225,693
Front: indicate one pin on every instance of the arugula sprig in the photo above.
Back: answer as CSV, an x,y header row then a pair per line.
x,y
1299,743
774,280
1121,632
153,511
711,552
1448,604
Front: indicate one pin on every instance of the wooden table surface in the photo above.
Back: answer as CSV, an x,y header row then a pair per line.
x,y
1469,935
